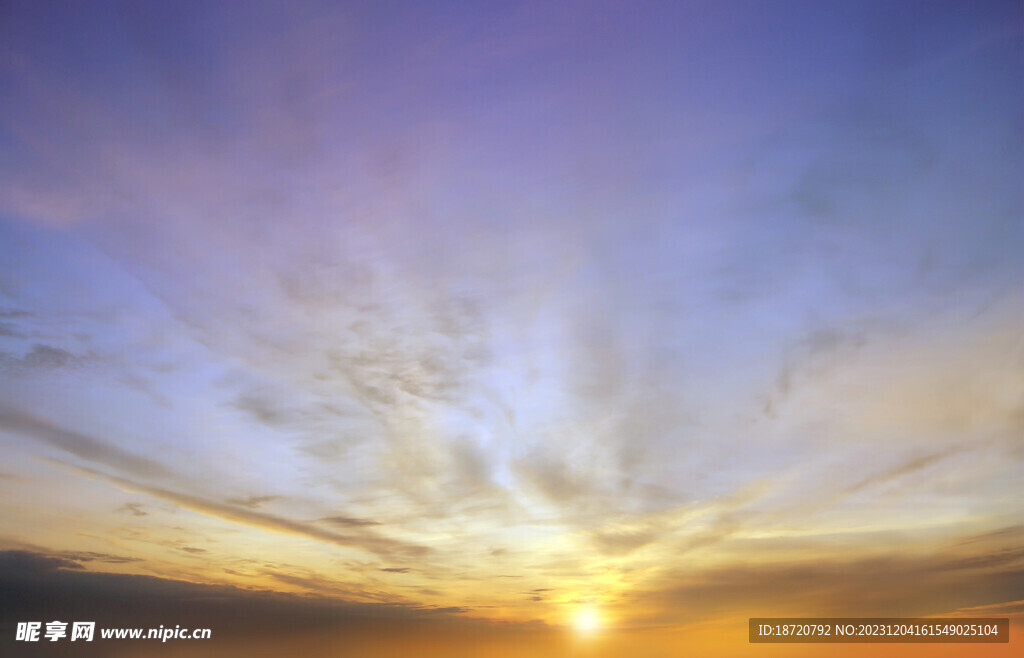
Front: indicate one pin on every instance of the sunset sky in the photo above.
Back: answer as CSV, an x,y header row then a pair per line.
x,y
488,320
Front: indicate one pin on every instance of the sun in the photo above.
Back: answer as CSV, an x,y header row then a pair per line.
x,y
587,620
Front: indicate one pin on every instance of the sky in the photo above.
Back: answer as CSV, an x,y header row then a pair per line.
x,y
477,319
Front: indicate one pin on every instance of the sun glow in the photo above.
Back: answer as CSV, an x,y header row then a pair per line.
x,y
587,620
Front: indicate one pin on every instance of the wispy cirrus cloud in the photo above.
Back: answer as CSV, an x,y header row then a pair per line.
x,y
362,538
81,445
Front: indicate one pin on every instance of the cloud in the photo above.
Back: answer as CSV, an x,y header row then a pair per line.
x,y
134,509
363,538
92,556
613,542
884,587
252,502
558,479
96,451
192,549
79,444
8,330
29,562
820,351
347,521
938,582
41,586
1007,608
326,587
263,408
906,467
42,357
244,623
